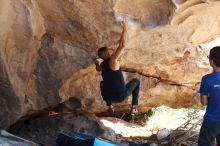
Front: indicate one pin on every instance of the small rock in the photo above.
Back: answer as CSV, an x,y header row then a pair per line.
x,y
163,133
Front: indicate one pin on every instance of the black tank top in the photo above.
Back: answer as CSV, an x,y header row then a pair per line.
x,y
113,81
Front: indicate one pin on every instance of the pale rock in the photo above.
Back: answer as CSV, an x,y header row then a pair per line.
x,y
163,133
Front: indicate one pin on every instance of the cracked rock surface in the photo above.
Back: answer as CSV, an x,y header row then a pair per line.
x,y
47,46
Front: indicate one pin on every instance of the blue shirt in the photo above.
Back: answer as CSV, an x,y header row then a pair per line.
x,y
210,86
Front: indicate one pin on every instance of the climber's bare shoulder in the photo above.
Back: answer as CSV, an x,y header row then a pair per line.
x,y
114,64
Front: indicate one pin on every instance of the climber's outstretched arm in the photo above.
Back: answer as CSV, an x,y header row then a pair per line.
x,y
122,43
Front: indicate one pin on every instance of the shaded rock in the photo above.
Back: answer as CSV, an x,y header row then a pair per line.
x,y
42,129
73,104
45,129
7,139
10,105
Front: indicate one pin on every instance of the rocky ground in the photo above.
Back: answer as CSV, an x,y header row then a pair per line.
x,y
44,128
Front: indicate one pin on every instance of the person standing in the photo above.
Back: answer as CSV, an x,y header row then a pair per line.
x,y
210,96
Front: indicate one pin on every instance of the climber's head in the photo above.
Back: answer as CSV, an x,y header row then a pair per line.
x,y
105,52
214,57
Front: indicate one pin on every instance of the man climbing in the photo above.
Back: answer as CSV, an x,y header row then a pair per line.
x,y
210,96
113,87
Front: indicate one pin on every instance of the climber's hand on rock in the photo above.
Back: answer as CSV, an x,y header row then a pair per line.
x,y
125,23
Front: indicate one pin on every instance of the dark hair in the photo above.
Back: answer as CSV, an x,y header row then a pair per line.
x,y
215,55
101,50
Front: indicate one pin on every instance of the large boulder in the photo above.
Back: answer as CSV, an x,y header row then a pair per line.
x,y
45,44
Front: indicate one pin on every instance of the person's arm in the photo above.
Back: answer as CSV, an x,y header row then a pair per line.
x,y
204,99
204,92
122,43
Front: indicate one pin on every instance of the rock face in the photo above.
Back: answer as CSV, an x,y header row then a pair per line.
x,y
7,139
46,51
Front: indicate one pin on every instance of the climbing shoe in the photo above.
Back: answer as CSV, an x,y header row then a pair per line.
x,y
134,110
